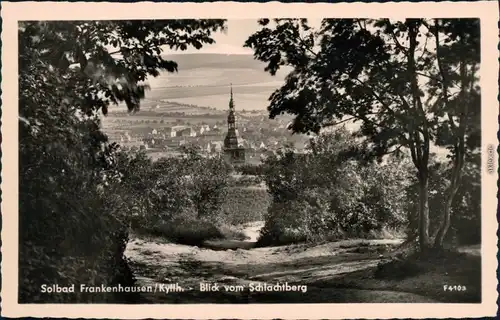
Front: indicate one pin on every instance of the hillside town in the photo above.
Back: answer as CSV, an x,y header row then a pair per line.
x,y
256,134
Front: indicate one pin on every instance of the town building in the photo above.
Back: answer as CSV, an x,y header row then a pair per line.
x,y
204,129
234,152
186,132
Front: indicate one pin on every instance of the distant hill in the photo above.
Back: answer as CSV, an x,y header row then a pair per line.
x,y
214,60
203,79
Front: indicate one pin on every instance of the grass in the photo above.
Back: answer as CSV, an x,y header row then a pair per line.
x,y
425,276
192,232
279,236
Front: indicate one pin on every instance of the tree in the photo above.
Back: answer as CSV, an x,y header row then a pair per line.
x,y
208,181
323,193
461,132
70,187
396,81
81,52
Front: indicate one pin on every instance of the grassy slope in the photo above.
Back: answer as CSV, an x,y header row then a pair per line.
x,y
334,272
203,79
425,277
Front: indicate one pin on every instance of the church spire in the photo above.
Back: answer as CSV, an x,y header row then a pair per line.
x,y
231,119
231,102
232,148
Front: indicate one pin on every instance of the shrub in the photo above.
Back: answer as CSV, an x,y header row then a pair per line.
x,y
466,208
245,204
76,227
184,198
327,194
189,232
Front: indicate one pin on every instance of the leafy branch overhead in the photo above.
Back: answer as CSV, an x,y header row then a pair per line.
x,y
74,186
107,61
409,84
380,73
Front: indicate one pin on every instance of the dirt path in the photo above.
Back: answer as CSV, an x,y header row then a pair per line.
x,y
251,231
157,262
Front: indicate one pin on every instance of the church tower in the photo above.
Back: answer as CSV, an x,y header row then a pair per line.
x,y
233,151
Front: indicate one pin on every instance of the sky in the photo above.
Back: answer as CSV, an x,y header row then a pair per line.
x,y
229,42
232,40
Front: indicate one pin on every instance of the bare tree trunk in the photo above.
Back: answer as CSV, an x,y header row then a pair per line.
x,y
421,144
460,150
423,212
446,218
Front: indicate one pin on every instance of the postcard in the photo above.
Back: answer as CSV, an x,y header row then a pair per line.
x,y
249,160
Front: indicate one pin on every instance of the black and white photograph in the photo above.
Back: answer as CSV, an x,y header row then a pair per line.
x,y
302,160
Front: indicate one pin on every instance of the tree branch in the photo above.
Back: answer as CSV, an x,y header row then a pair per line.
x,y
391,30
395,149
359,24
441,69
413,149
331,124
417,101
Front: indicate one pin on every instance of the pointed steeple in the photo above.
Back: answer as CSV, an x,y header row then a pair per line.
x,y
232,148
231,101
231,118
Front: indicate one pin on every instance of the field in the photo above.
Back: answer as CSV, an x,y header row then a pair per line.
x,y
204,80
246,204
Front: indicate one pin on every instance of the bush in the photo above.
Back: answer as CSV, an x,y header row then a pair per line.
x,y
189,232
245,204
184,198
326,194
191,199
466,208
72,231
281,227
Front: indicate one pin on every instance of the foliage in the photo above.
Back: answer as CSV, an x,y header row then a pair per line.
x,y
324,194
77,192
183,197
191,199
245,204
249,169
208,183
466,208
408,84
80,51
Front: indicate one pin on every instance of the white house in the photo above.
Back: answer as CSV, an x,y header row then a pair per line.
x,y
204,128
